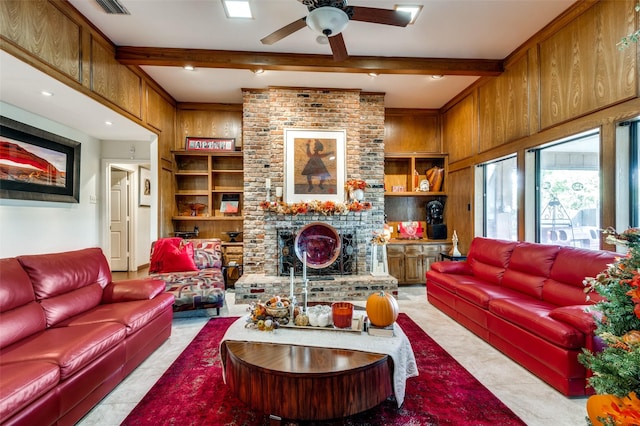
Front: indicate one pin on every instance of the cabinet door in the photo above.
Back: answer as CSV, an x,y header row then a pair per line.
x,y
414,269
395,259
431,254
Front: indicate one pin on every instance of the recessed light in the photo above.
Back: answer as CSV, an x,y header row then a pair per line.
x,y
413,9
108,123
373,74
237,9
46,93
437,77
257,71
189,67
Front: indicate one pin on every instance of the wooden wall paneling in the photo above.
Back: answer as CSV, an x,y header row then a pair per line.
x,y
460,129
113,81
533,103
166,199
45,31
412,130
504,106
208,121
459,207
581,68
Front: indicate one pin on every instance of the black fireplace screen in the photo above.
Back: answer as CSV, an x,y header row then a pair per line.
x,y
345,264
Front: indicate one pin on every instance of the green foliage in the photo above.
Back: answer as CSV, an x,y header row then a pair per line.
x,y
617,368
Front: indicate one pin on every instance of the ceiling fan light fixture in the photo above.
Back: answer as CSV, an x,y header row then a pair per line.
x,y
327,20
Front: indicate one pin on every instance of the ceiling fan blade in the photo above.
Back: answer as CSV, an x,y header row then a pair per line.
x,y
285,31
338,47
380,16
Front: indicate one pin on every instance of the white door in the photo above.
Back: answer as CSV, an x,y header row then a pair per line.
x,y
119,225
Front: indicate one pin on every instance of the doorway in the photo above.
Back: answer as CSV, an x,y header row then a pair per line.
x,y
120,219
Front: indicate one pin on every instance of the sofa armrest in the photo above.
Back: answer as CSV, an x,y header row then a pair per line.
x,y
130,290
445,267
582,317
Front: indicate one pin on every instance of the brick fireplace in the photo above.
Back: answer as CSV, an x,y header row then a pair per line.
x,y
266,114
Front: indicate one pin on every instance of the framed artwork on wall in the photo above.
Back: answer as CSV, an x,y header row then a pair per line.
x,y
37,165
144,187
314,165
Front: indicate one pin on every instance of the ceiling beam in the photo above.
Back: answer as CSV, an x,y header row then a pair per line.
x,y
174,57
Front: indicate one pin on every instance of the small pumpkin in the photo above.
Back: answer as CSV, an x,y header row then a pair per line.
x,y
302,320
382,309
632,337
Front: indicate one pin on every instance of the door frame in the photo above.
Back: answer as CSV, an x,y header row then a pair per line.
x,y
130,166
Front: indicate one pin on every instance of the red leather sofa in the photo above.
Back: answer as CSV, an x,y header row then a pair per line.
x,y
528,301
69,335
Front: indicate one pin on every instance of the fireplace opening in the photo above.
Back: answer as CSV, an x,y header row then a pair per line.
x,y
344,264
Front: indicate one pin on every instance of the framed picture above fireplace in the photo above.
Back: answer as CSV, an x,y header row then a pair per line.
x,y
314,165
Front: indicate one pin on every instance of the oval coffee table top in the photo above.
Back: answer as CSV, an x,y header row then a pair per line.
x,y
301,359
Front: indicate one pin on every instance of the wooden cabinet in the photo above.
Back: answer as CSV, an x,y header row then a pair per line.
x,y
402,176
202,180
410,261
232,262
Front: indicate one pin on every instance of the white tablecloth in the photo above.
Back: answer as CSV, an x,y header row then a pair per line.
x,y
397,347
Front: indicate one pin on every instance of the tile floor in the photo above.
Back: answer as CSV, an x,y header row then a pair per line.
x,y
531,399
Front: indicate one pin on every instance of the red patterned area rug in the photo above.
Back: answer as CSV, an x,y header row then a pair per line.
x,y
191,391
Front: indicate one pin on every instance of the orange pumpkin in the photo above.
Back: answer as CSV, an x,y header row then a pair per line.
x,y
382,309
632,337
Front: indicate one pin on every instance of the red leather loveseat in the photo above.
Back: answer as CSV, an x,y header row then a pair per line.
x,y
69,335
527,300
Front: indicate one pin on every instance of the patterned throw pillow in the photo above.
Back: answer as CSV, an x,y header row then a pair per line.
x,y
205,259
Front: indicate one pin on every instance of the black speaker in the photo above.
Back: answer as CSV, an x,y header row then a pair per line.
x,y
437,232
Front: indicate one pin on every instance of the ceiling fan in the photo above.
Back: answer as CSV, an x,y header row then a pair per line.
x,y
330,17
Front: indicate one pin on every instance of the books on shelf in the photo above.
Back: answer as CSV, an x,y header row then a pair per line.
x,y
381,331
229,203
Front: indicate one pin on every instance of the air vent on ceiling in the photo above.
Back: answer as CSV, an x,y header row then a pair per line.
x,y
113,7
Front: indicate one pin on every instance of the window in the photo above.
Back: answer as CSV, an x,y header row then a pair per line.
x,y
568,192
499,203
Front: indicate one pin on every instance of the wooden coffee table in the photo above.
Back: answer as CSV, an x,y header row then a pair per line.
x,y
306,383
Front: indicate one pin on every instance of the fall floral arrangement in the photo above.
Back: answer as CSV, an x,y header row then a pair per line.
x,y
353,184
616,369
327,208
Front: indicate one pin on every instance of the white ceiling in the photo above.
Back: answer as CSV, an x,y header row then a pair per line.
x,y
467,29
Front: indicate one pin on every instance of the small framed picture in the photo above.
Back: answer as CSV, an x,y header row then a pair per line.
x,y
210,144
144,187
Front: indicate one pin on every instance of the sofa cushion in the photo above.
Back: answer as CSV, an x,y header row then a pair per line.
x,y
482,293
133,315
529,266
59,308
533,315
565,285
59,273
23,383
71,348
489,258
21,315
207,253
206,278
172,255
